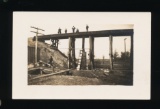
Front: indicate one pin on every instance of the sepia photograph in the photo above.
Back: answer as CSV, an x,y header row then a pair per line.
x,y
83,50
87,57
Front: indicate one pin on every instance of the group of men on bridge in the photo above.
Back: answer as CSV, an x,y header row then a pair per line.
x,y
73,29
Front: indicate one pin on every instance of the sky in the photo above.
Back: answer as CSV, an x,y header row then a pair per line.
x,y
51,21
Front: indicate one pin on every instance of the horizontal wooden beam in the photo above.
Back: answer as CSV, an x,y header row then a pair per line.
x,y
104,33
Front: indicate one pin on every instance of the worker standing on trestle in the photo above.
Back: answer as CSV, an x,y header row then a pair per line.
x,y
65,30
73,28
77,30
59,31
87,28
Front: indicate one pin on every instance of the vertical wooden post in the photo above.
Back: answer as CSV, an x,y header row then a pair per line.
x,y
90,46
57,43
73,54
69,53
91,53
83,43
83,58
131,53
110,52
36,48
54,42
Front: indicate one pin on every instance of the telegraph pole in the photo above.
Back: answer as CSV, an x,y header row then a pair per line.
x,y
125,47
36,41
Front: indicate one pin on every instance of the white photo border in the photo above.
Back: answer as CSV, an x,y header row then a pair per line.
x,y
142,65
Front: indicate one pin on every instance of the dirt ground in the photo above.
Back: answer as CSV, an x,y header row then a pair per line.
x,y
99,77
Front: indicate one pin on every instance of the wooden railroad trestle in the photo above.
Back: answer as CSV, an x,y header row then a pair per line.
x,y
91,35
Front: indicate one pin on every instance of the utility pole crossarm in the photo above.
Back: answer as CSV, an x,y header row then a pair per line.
x,y
37,28
36,32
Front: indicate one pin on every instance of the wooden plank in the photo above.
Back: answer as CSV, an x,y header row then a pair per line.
x,y
103,33
31,69
46,75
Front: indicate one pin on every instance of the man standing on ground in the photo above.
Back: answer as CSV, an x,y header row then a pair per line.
x,y
51,61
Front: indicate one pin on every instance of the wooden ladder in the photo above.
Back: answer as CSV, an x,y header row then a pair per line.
x,y
79,60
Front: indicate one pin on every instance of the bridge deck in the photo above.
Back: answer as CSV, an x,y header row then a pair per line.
x,y
104,33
